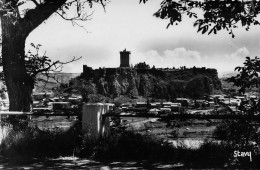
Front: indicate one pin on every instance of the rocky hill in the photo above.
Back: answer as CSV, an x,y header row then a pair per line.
x,y
157,83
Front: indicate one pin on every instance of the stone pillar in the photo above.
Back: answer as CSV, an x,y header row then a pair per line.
x,y
93,123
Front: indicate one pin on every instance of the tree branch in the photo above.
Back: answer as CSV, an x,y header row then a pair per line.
x,y
34,17
41,64
78,18
73,59
35,2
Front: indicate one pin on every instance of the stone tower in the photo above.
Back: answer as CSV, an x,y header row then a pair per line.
x,y
125,58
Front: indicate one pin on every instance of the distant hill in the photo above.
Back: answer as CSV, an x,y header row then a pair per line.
x,y
54,82
229,85
228,74
223,78
226,84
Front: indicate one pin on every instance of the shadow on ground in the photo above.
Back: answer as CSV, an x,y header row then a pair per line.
x,y
68,163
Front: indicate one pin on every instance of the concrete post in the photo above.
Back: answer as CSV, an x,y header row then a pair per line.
x,y
3,131
93,123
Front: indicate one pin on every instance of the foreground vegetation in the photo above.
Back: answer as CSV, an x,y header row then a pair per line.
x,y
32,142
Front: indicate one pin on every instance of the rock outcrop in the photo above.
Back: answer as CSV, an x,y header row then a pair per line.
x,y
157,83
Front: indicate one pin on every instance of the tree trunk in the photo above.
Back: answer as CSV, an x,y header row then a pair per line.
x,y
18,82
14,33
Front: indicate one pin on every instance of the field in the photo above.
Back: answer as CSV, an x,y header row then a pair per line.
x,y
169,130
62,122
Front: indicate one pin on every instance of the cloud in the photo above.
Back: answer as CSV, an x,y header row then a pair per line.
x,y
237,57
171,58
240,53
183,57
229,62
168,58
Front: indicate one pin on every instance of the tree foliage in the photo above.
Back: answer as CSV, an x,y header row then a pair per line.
x,y
242,132
248,77
216,15
142,65
83,87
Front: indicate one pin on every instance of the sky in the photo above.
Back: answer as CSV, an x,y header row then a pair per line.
x,y
126,24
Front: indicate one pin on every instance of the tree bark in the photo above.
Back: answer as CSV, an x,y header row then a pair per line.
x,y
18,82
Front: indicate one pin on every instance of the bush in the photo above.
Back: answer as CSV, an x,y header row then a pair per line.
x,y
240,135
33,142
128,145
121,100
175,133
95,98
210,155
238,132
131,146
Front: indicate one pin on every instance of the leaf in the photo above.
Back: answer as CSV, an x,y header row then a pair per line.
x,y
199,29
218,27
211,31
215,30
168,25
205,29
144,1
195,24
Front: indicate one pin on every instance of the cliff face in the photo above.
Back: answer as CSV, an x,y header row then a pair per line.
x,y
194,83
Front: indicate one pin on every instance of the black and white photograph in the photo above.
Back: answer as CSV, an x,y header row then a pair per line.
x,y
129,84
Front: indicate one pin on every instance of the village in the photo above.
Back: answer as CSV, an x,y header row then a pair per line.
x,y
47,101
208,104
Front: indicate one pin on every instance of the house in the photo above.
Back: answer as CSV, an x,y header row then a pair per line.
x,y
167,104
125,106
41,96
211,104
154,111
165,109
175,107
155,105
183,101
57,106
141,104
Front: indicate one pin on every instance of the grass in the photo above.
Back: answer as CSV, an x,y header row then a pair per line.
x,y
32,142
